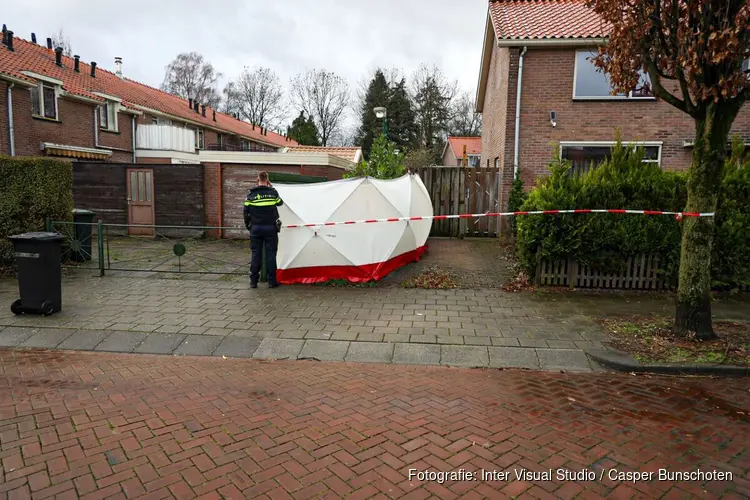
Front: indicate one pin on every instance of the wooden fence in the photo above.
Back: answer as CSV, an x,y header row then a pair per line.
x,y
640,273
460,190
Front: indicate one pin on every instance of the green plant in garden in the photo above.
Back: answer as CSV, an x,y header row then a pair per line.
x,y
730,259
385,162
516,200
32,188
604,241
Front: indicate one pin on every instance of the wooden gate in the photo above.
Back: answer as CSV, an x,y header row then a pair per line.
x,y
461,190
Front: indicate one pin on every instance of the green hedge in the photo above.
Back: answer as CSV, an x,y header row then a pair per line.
x,y
31,189
600,241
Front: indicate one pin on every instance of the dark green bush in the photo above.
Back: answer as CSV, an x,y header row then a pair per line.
x,y
730,261
624,181
516,199
31,189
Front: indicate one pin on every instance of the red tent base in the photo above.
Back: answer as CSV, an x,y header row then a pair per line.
x,y
352,274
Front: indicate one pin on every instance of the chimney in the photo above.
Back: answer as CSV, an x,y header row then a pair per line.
x,y
118,67
190,103
76,65
5,32
9,40
253,125
93,69
203,110
195,106
33,38
214,115
58,56
49,43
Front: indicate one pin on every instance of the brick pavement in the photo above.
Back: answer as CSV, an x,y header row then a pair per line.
x,y
93,425
471,328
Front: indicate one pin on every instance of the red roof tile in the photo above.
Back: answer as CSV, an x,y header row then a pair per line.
x,y
352,154
473,145
35,58
540,19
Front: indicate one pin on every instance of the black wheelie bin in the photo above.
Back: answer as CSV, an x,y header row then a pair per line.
x,y
39,267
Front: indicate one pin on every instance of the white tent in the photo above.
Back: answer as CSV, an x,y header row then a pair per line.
x,y
354,252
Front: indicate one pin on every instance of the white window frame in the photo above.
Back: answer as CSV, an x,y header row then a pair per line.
x,y
599,144
111,108
39,90
628,97
42,81
199,138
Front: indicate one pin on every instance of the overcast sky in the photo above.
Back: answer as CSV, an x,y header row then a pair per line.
x,y
348,37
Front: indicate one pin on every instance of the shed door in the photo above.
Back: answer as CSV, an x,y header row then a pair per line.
x,y
140,200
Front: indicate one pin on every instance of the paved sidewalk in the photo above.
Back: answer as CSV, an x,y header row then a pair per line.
x,y
88,425
470,328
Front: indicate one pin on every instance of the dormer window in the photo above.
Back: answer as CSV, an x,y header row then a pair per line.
x,y
108,117
44,100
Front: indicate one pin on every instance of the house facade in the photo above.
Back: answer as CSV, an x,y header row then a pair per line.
x,y
456,147
58,106
539,93
55,105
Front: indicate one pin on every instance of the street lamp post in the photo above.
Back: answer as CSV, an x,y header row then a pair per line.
x,y
382,114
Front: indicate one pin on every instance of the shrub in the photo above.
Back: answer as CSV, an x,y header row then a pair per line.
x,y
384,162
600,241
730,261
516,199
30,190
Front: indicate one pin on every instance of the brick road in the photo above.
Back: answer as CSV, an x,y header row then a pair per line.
x,y
94,425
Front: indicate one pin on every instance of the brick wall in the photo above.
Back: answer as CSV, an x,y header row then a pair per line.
x,y
497,108
122,139
154,161
332,173
74,128
4,131
548,85
211,196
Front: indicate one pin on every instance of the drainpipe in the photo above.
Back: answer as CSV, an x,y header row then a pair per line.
x,y
96,128
11,130
518,113
133,135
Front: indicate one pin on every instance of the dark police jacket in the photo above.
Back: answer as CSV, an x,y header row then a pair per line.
x,y
260,207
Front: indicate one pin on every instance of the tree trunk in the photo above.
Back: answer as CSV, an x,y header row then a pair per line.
x,y
693,315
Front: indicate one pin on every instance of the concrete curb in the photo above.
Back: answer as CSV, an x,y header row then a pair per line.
x,y
621,361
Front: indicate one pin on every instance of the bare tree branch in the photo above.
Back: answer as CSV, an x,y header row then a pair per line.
x,y
60,39
189,76
257,95
324,96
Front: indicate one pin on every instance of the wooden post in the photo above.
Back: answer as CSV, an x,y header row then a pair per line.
x,y
538,277
572,273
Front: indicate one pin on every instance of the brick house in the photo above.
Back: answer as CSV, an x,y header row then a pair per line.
x,y
60,106
538,91
455,147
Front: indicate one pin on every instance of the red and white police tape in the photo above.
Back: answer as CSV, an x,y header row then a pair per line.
x,y
677,215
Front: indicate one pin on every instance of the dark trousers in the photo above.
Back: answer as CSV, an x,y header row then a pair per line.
x,y
263,236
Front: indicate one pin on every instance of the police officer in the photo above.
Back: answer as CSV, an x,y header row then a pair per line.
x,y
262,220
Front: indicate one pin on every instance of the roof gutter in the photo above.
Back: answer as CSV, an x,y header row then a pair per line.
x,y
518,113
132,131
550,42
11,130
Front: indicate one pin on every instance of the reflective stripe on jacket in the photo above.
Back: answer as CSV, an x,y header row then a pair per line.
x,y
260,207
